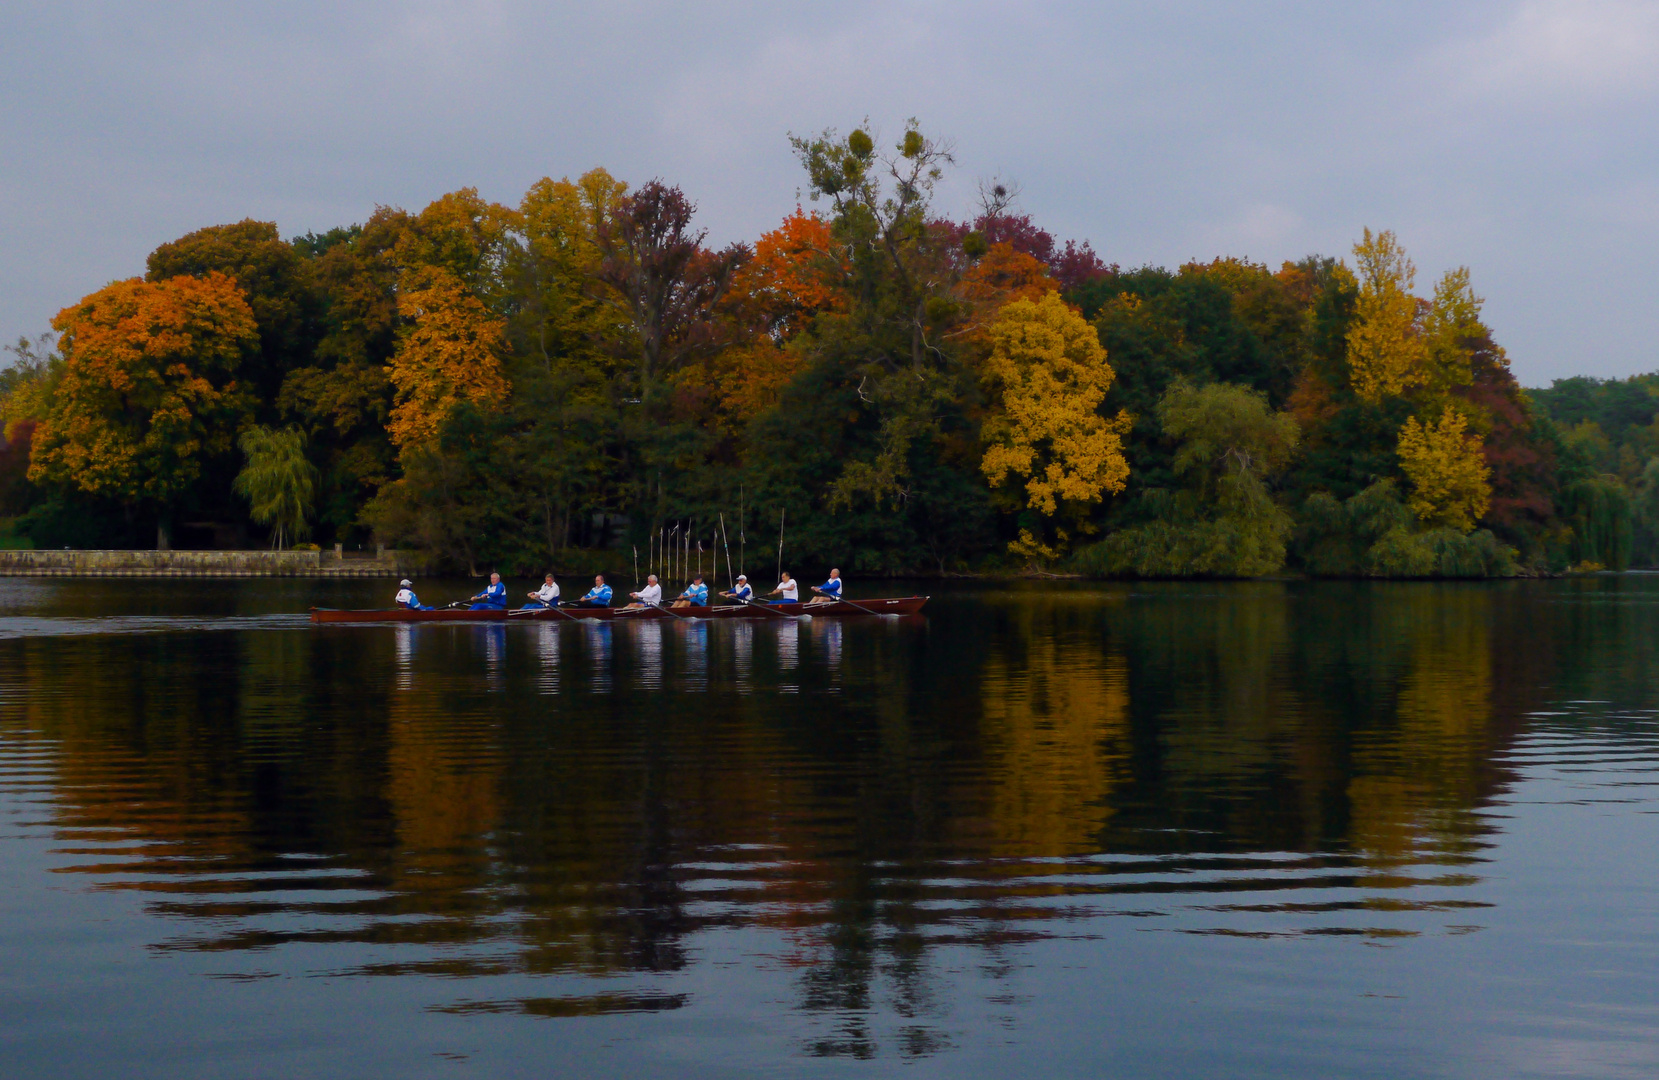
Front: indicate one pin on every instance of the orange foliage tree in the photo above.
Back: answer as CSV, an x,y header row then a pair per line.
x,y
148,388
797,272
450,353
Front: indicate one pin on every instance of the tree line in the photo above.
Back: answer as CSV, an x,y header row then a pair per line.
x,y
547,384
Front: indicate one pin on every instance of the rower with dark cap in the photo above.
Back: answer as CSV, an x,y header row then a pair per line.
x,y
696,594
406,597
493,598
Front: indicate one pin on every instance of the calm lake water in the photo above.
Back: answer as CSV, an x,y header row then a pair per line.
x,y
1241,830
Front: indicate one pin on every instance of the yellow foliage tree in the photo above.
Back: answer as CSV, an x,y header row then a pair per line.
x,y
564,314
1052,372
451,353
1450,480
1450,325
1386,351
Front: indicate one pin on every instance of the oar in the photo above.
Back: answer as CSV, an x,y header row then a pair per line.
x,y
554,608
867,611
654,607
861,607
770,610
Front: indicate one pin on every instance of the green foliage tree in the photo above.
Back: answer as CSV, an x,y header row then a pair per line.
x,y
278,482
1223,521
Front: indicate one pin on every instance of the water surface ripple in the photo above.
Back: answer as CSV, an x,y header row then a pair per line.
x,y
1259,829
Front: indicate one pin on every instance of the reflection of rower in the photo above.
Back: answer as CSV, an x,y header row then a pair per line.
x,y
494,596
650,596
406,597
696,594
544,597
830,591
741,592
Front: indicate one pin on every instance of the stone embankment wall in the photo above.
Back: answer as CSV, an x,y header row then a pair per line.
x,y
71,563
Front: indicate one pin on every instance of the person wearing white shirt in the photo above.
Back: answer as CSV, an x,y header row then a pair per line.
x,y
650,596
787,591
544,597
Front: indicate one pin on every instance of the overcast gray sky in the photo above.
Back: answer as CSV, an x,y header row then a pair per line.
x,y
1515,136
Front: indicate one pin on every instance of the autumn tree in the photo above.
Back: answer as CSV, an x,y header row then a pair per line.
x,y
279,286
1386,351
1051,373
668,282
148,389
1450,481
566,335
798,271
451,352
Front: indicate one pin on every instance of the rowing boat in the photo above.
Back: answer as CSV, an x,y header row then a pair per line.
x,y
901,605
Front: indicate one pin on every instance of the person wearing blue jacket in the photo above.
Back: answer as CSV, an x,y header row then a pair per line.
x,y
741,592
406,597
494,596
696,594
830,591
598,596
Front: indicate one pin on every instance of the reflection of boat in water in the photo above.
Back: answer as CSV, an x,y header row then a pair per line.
x,y
901,605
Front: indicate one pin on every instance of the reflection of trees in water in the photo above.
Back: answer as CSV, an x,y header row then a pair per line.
x,y
966,787
1337,718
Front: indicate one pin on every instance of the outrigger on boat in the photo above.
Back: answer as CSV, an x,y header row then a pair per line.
x,y
900,605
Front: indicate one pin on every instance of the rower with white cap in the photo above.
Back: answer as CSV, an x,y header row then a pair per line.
x,y
406,597
741,592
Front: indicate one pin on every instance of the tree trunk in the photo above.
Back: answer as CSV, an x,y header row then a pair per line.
x,y
164,539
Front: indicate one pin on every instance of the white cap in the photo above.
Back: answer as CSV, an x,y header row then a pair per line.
x,y
405,583
743,577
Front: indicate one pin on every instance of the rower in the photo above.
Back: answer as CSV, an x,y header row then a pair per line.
x,y
696,594
598,596
406,597
787,590
545,597
830,591
494,596
650,596
741,592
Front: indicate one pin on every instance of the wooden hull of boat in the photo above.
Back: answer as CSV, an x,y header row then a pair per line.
x,y
903,605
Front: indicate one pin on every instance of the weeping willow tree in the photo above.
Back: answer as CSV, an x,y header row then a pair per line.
x,y
1223,521
278,482
1598,509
